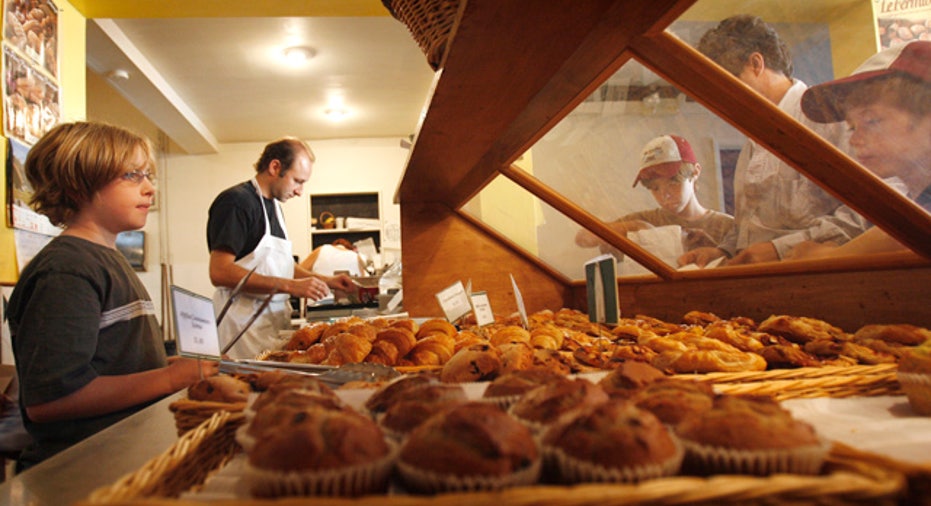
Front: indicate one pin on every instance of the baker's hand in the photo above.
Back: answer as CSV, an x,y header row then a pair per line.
x,y
342,282
757,252
586,239
312,288
701,256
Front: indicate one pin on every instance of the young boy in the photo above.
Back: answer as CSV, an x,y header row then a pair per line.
x,y
85,338
886,103
668,168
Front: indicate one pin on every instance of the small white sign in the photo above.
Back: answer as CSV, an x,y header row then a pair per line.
x,y
454,300
195,324
520,303
482,308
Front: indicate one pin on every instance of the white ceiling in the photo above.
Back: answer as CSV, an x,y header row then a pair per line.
x,y
205,81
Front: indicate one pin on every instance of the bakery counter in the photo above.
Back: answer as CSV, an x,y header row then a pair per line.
x,y
97,461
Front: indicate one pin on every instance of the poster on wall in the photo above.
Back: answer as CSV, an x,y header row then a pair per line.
x,y
19,214
31,26
30,99
900,22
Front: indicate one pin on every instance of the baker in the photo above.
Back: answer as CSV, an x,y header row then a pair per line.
x,y
245,230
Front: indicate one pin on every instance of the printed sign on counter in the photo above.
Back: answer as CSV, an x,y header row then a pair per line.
x,y
455,301
601,284
482,308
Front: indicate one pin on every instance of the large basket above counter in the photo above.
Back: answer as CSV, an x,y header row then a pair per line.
x,y
430,23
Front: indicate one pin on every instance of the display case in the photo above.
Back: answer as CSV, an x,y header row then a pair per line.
x,y
514,71
355,216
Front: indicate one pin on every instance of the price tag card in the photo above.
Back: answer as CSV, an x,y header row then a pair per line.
x,y
195,324
520,304
482,308
454,301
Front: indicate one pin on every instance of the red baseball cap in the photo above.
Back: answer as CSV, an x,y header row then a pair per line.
x,y
663,157
823,103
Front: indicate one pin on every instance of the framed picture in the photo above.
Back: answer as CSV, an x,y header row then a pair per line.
x,y
132,246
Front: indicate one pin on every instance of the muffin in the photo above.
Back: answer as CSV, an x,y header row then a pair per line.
x,y
506,389
672,400
287,384
549,403
750,435
379,401
320,452
611,442
914,375
469,447
220,388
271,415
417,404
629,376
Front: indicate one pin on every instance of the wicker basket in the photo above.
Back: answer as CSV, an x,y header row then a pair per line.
x,y
807,382
429,21
850,477
189,414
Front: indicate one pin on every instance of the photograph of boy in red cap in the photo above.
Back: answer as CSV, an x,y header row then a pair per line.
x,y
886,103
669,169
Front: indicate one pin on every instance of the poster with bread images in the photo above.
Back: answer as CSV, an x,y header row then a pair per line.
x,y
900,22
31,103
31,26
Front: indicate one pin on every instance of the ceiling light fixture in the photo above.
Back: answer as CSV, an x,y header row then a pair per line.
x,y
297,55
118,75
336,113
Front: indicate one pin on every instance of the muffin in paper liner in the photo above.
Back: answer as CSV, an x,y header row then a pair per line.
x,y
350,481
503,401
565,468
707,460
917,387
429,482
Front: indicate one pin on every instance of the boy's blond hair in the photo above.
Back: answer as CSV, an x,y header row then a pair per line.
x,y
73,161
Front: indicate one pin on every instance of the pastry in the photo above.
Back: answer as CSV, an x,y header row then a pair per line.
x,y
473,446
417,404
801,329
478,362
914,375
611,442
627,377
673,400
750,435
305,336
388,393
551,402
219,388
435,349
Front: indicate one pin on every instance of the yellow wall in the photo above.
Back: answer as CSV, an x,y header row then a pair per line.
x,y
72,65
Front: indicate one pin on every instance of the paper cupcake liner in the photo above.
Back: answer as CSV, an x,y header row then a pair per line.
x,y
707,460
346,481
565,468
917,387
242,436
429,482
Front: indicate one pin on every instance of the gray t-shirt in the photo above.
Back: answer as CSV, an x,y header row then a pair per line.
x,y
78,312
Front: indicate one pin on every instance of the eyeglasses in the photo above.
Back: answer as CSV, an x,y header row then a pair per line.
x,y
136,176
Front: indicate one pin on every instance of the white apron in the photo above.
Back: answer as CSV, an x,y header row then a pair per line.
x,y
271,257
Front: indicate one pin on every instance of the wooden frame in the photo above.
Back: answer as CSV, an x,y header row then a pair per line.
x,y
506,81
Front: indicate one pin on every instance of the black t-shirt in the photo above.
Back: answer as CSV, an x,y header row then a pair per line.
x,y
78,311
236,224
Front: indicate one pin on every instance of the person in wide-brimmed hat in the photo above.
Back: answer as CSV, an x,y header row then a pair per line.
x,y
886,103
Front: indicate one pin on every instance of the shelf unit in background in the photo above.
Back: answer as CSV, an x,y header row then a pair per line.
x,y
345,205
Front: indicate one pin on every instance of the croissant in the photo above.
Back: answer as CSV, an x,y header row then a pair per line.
x,y
346,348
743,341
401,338
406,323
510,334
434,326
435,349
547,336
894,333
305,336
704,361
466,338
334,328
383,352
363,330
475,363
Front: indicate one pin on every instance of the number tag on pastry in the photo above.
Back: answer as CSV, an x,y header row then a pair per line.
x,y
454,301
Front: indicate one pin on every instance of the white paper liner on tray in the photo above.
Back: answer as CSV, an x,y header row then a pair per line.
x,y
708,460
429,482
570,469
347,481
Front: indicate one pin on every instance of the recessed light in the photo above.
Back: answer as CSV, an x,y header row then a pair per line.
x,y
336,113
298,54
